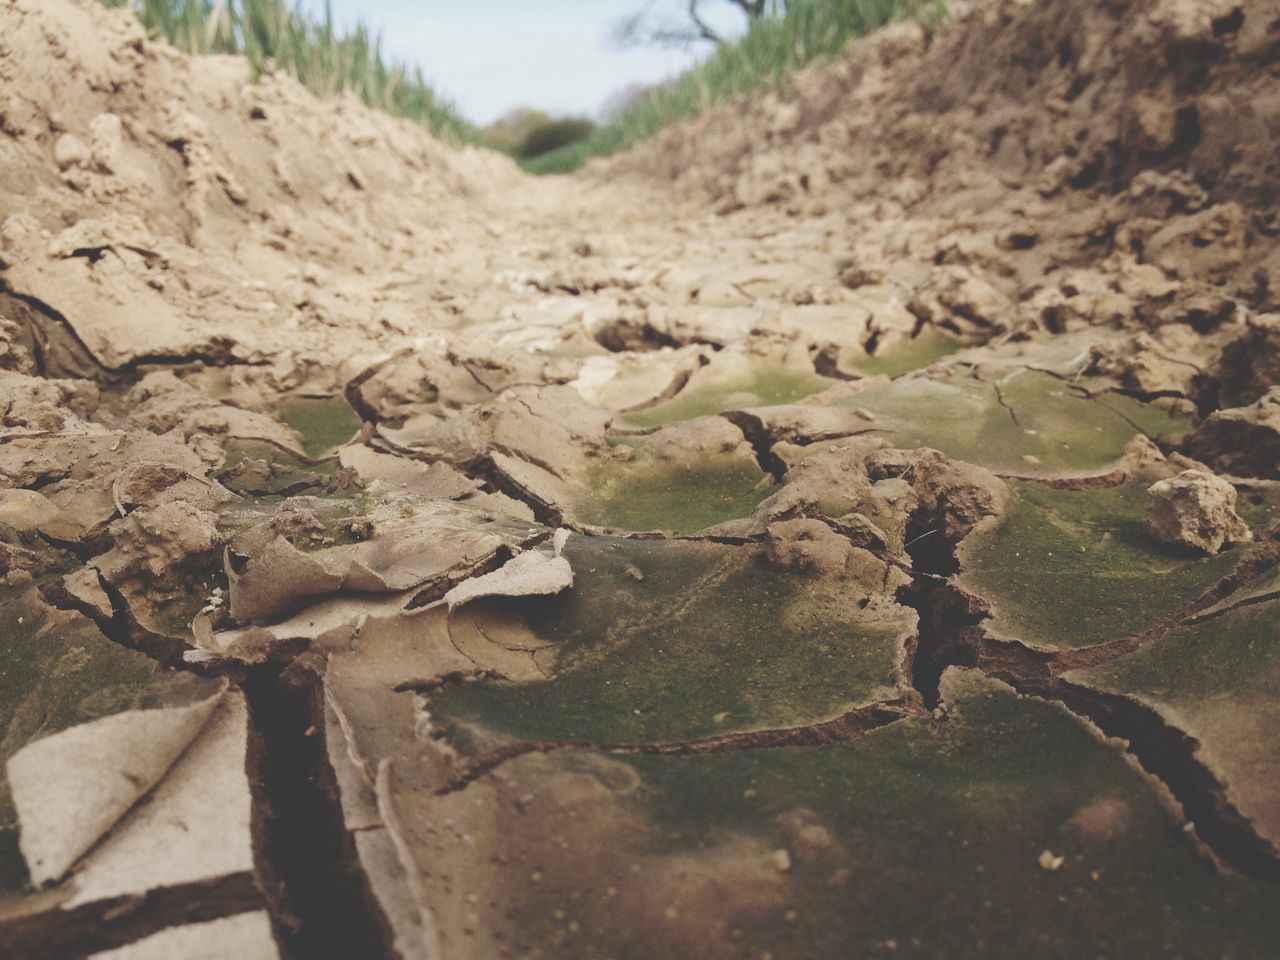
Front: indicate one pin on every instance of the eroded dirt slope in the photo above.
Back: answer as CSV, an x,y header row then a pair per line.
x,y
845,525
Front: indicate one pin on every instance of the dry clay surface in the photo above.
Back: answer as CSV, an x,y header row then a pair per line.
x,y
843,526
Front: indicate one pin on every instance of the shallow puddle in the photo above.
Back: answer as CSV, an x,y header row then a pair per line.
x,y
920,351
707,394
324,423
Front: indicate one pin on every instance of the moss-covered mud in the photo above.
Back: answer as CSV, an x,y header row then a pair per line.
x,y
1024,424
661,641
678,498
258,468
1038,837
1218,679
926,347
1073,568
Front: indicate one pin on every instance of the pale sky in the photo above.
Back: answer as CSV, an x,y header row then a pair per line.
x,y
488,56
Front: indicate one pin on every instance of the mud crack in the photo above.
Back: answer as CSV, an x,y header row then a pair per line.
x,y
761,439
319,899
118,921
58,350
848,726
1262,558
122,626
1166,752
951,634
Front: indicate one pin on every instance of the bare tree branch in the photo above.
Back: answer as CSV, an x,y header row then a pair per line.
x,y
704,30
754,9
643,28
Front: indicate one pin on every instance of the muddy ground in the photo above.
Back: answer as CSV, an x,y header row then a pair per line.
x,y
844,526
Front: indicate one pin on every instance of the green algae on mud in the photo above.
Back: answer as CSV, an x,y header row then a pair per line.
x,y
673,640
1231,659
1066,569
1023,424
1218,680
815,853
706,395
678,498
324,423
1258,503
1159,419
904,356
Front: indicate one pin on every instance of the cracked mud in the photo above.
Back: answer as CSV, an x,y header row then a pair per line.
x,y
844,526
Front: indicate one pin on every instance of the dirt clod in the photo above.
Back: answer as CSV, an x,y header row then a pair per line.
x,y
1195,509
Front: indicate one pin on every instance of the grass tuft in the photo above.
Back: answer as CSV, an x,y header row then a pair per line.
x,y
771,50
272,36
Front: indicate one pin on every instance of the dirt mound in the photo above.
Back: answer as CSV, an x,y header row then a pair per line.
x,y
1044,167
1051,95
159,206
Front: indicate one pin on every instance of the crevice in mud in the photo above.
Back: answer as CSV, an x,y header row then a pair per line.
x,y
58,933
826,363
1113,477
56,349
217,353
444,681
1229,23
757,434
951,633
1164,751
1012,658
319,899
122,627
490,473
469,368
947,635
1168,754
1162,444
435,591
948,630
543,512
352,391
999,394
59,352
1268,597
844,728
591,530
626,336
83,550
1265,556
672,390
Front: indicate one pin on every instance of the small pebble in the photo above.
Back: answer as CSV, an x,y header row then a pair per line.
x,y
1051,861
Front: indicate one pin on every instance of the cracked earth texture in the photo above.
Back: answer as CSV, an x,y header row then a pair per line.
x,y
741,549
